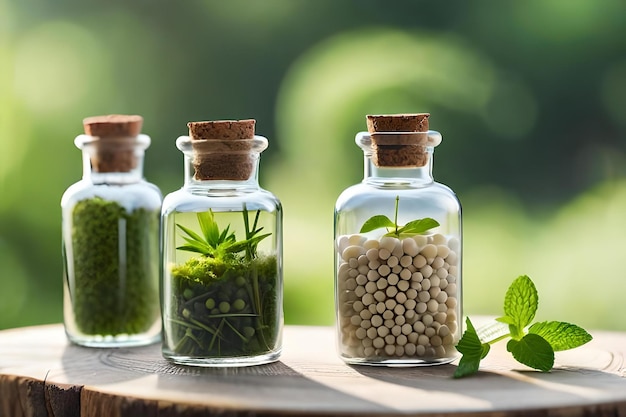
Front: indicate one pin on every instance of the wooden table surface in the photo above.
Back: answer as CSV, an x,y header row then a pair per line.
x,y
41,374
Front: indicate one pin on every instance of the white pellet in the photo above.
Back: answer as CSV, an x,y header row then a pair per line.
x,y
352,251
420,350
433,306
383,331
379,342
372,308
388,315
454,244
392,279
399,350
426,271
448,340
373,275
366,324
429,251
370,244
377,320
352,273
381,284
365,314
351,284
442,297
353,262
392,261
410,315
380,308
405,274
390,339
367,342
442,273
423,296
390,304
403,285
396,269
400,297
390,349
391,292
430,332
409,349
361,279
399,309
342,243
372,254
421,307
417,277
439,239
380,296
409,246
389,323
363,269
374,264
453,270
355,320
406,329
360,291
427,319
372,333
451,289
384,270
443,283
434,281
426,284
421,240
342,271
437,263
369,351
358,306
440,352
401,340
419,327
417,286
411,294
443,251
400,320
384,253
423,340
396,330
443,331
412,337
367,299
419,261
361,333
410,304
357,239
452,260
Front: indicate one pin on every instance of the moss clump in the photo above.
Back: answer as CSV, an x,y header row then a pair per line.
x,y
114,288
225,309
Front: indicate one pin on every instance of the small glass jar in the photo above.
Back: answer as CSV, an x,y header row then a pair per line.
x,y
110,229
222,253
398,277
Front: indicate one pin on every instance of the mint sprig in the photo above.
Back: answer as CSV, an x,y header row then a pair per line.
x,y
534,348
414,227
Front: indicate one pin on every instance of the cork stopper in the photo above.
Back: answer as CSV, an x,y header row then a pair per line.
x,y
222,149
401,149
115,145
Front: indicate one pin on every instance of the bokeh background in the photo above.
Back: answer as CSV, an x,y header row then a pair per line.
x,y
530,97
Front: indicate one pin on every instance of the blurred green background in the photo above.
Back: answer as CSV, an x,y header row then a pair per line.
x,y
530,98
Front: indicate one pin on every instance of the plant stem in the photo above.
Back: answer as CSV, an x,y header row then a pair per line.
x,y
395,219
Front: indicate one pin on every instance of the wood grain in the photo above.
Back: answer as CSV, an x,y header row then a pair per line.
x,y
41,374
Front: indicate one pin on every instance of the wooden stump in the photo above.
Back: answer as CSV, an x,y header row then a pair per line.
x,y
41,374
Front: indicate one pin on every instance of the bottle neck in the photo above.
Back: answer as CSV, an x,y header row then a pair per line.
x,y
222,166
398,159
113,160
398,176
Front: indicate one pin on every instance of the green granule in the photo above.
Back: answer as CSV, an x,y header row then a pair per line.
x,y
224,307
116,261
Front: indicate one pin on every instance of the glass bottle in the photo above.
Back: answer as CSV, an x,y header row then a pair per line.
x,y
110,229
398,277
222,252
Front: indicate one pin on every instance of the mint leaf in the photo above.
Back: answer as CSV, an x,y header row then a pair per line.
x,y
418,226
520,305
472,349
561,335
376,222
532,350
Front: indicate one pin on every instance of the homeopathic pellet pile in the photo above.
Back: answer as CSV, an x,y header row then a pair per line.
x,y
398,297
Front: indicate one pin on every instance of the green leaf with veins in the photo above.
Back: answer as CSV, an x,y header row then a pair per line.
x,y
414,227
472,349
520,305
561,335
532,350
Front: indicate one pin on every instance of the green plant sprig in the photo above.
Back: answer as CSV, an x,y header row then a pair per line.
x,y
411,228
217,244
534,348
